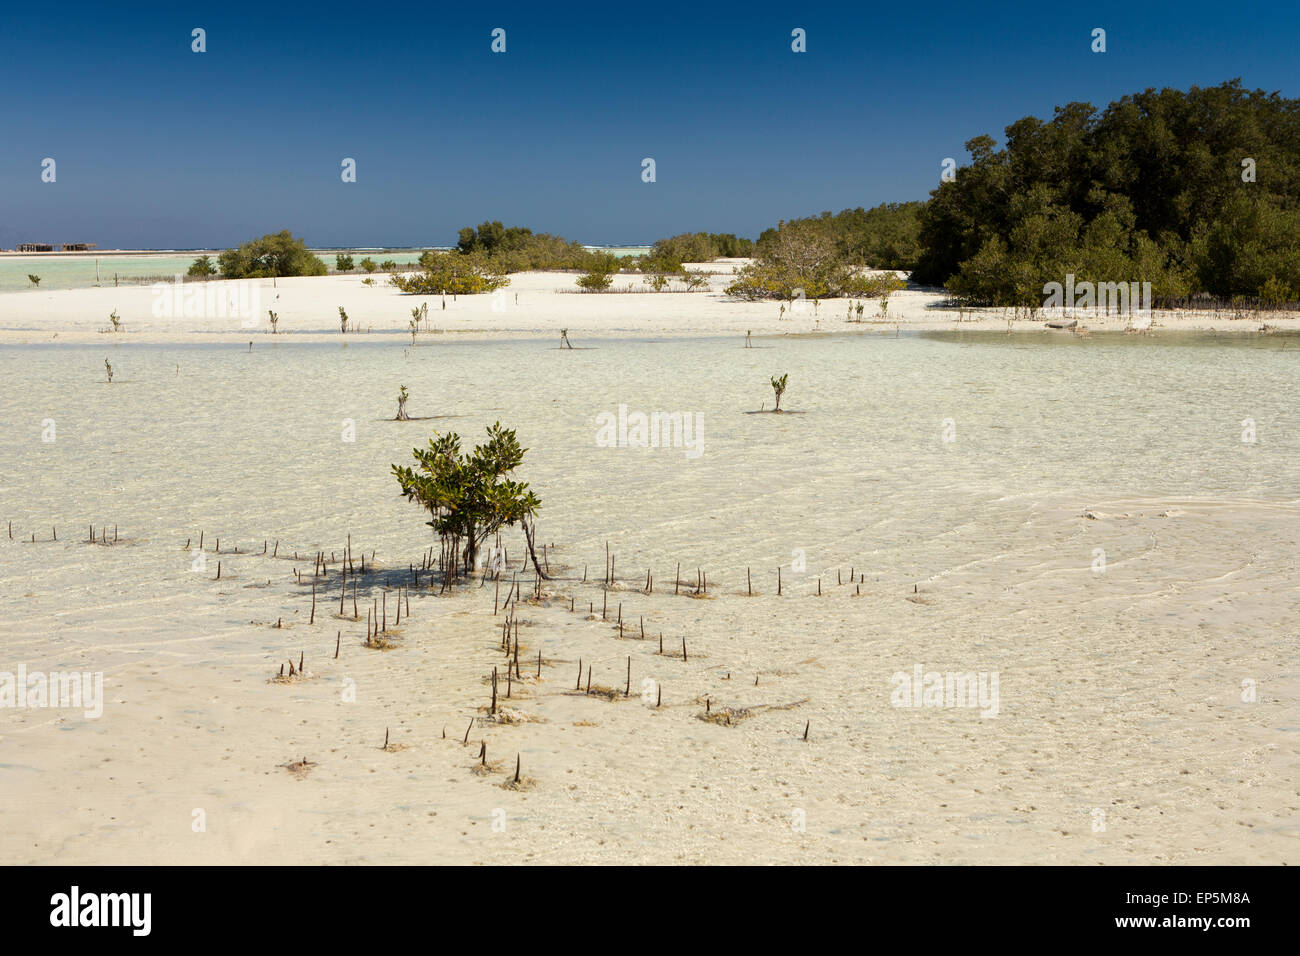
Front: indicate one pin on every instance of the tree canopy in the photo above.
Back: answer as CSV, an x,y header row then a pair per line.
x,y
1195,192
800,260
471,497
275,254
883,237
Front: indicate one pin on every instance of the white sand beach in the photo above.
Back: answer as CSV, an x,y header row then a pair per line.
x,y
1080,516
535,303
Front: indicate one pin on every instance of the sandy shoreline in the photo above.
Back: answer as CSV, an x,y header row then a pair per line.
x,y
533,304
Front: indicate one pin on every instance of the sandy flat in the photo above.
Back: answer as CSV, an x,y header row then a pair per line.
x,y
535,303
948,494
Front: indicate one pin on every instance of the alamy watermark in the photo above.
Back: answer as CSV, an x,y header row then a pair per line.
x,y
1098,299
238,299
656,430
923,688
84,690
129,910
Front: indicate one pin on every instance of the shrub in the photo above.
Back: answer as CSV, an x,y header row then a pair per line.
x,y
278,254
471,496
451,272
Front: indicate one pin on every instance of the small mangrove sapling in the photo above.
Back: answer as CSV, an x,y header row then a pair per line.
x,y
116,320
778,386
34,280
343,320
108,368
471,496
274,319
402,396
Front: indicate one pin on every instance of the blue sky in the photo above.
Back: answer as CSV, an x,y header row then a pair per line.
x,y
160,147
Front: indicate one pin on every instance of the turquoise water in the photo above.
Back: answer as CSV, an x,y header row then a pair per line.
x,y
81,271
78,271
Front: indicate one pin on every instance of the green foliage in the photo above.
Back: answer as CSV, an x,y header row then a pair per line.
x,y
878,285
274,320
600,275
451,273
388,265
202,266
343,320
369,264
33,279
343,263
470,497
1149,189
800,257
277,254
698,247
595,280
519,249
694,281
116,320
1274,293
883,237
109,369
402,396
778,386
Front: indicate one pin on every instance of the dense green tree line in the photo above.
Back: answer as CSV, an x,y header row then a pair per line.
x,y
883,237
519,249
699,247
1196,192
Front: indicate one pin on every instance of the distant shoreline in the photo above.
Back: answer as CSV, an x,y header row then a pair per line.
x,y
168,253
534,305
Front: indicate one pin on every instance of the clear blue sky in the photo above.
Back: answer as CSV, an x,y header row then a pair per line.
x,y
160,147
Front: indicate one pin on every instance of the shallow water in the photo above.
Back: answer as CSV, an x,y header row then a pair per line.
x,y
82,271
1120,686
79,271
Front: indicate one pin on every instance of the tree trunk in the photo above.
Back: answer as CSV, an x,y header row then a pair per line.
x,y
528,536
471,551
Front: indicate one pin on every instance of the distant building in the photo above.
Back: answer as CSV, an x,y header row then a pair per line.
x,y
35,247
79,246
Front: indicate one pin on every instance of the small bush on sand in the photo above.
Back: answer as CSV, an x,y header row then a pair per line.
x,y
778,386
